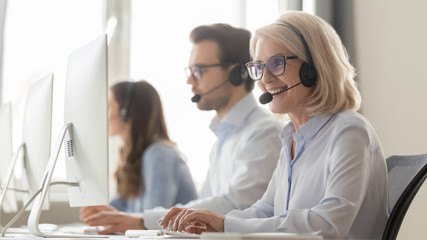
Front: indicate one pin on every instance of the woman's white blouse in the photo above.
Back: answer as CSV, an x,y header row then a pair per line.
x,y
335,186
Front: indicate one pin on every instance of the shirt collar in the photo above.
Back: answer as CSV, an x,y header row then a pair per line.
x,y
237,113
308,129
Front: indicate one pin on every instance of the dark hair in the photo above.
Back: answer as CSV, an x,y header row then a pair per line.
x,y
233,44
145,114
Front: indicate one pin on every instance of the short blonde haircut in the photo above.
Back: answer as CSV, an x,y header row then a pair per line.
x,y
335,89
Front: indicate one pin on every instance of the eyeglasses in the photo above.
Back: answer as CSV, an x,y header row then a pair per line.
x,y
196,70
276,66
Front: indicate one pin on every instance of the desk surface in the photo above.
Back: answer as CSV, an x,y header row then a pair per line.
x,y
22,233
22,236
122,237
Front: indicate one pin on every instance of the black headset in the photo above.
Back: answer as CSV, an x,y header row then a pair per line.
x,y
124,110
308,72
238,75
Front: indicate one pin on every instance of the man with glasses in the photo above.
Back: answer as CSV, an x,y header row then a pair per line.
x,y
245,154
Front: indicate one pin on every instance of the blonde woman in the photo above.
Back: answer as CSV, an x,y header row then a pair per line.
x,y
331,178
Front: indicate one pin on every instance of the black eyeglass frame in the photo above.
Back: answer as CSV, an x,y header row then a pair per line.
x,y
190,72
264,65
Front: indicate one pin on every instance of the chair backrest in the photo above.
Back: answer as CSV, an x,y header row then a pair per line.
x,y
406,175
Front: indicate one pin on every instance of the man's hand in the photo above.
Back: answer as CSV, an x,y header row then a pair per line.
x,y
86,212
114,222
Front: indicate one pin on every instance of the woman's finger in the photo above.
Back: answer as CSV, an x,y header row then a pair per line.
x,y
178,218
196,229
164,221
211,219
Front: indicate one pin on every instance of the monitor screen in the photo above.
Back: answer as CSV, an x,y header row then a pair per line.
x,y
7,198
84,136
36,131
86,154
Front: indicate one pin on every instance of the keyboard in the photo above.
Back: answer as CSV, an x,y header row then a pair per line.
x,y
160,233
86,230
259,236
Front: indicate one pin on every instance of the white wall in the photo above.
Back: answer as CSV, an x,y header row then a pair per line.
x,y
391,41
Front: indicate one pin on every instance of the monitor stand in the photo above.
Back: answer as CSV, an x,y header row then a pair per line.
x,y
5,185
33,219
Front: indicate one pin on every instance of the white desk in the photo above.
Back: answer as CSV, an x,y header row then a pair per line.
x,y
30,236
122,237
208,236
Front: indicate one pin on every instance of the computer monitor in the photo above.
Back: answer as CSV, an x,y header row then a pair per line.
x,y
86,155
84,135
35,142
7,198
36,132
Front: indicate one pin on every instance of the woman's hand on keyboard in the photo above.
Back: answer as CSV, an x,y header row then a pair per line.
x,y
192,220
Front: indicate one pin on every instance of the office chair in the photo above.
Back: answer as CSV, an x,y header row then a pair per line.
x,y
406,175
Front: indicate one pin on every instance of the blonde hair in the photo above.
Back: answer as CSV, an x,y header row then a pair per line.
x,y
335,89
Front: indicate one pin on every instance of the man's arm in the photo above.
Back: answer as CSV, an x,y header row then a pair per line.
x,y
255,157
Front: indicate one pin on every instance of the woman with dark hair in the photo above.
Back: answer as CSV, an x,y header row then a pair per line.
x,y
151,171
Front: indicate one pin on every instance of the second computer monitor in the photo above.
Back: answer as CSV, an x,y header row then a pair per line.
x,y
36,131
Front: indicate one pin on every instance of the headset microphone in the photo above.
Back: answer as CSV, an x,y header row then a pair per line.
x,y
197,97
265,98
268,97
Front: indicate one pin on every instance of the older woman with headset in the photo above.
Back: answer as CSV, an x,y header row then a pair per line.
x,y
331,178
151,171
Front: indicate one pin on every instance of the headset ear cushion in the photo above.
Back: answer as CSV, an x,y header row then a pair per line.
x,y
236,76
124,110
308,74
123,114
